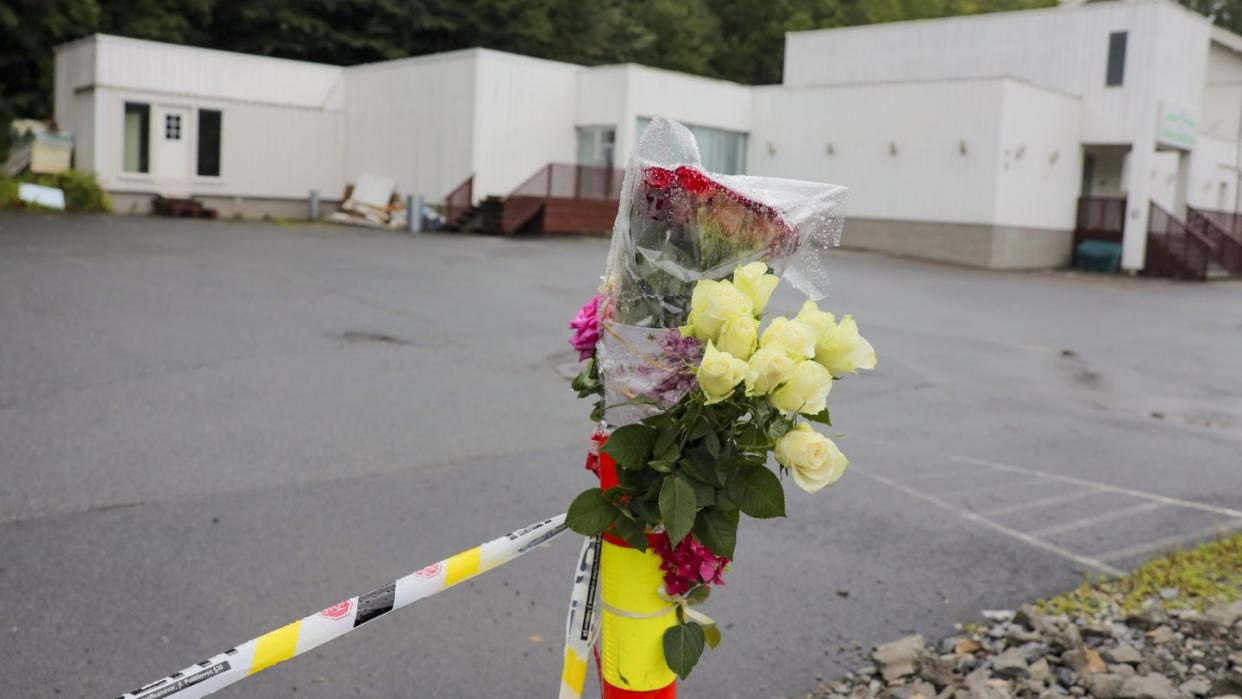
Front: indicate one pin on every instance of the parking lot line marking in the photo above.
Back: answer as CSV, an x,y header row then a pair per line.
x,y
1171,541
989,486
1099,519
1087,561
1230,513
944,474
1042,502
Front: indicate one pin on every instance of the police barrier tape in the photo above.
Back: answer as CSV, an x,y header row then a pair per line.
x,y
279,645
582,628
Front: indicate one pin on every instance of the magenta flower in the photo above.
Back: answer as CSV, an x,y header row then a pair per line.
x,y
586,328
689,565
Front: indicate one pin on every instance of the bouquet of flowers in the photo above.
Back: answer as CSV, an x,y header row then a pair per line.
x,y
693,391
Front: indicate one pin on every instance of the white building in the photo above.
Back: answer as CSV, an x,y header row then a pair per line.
x,y
966,139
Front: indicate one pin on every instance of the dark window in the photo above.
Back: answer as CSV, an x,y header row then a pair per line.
x,y
137,137
1116,59
209,142
172,127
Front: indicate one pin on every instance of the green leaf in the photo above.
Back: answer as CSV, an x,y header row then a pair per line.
x,y
666,442
699,466
757,492
661,465
820,417
683,645
712,635
700,429
717,529
778,429
698,595
727,468
647,511
677,508
704,494
711,441
590,513
630,446
633,533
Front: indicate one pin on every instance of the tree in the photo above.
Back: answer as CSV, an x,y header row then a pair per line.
x,y
739,40
1223,13
29,30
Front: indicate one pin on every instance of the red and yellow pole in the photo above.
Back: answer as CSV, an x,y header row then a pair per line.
x,y
632,664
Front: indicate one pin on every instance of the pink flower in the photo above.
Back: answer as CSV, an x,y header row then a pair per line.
x,y
689,565
586,328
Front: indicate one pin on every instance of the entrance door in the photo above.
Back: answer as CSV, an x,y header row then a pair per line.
x,y
172,145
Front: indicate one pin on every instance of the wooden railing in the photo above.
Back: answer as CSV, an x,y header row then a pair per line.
x,y
559,181
459,201
1175,249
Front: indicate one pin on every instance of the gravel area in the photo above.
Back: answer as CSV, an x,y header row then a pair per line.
x,y
1158,651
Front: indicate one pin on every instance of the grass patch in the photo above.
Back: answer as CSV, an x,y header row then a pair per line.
x,y
1201,576
82,191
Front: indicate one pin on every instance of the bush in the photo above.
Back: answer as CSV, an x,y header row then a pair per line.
x,y
82,191
8,193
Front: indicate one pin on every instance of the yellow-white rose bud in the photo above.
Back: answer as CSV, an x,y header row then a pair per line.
x,y
768,368
824,324
711,305
805,391
845,351
794,336
813,459
739,335
719,373
753,280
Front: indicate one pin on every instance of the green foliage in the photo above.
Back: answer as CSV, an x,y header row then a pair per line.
x,y
82,191
1201,576
630,446
8,193
677,508
683,644
692,469
1223,13
740,40
590,513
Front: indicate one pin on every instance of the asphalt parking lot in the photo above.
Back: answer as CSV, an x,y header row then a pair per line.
x,y
208,429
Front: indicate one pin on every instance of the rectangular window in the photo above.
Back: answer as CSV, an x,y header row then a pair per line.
x,y
137,137
722,151
596,145
1116,59
209,142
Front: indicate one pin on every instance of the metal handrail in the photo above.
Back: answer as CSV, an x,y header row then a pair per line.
x,y
1175,249
558,181
459,201
1227,249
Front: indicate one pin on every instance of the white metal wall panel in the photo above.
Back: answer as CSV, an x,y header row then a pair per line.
x,y
524,119
135,64
1040,170
928,178
413,119
1060,48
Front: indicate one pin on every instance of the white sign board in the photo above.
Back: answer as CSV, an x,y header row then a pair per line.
x,y
1177,127
37,194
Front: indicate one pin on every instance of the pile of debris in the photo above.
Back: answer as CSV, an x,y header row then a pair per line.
x,y
1156,653
40,148
373,202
